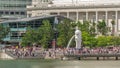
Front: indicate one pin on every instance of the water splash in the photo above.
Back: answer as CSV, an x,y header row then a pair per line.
x,y
70,41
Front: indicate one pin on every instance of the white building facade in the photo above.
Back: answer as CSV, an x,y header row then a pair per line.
x,y
88,10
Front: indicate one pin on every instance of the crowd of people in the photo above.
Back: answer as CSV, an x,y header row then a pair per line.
x,y
96,50
22,52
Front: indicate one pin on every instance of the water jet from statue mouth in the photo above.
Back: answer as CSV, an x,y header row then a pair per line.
x,y
78,39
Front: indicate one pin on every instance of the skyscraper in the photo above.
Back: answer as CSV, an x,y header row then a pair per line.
x,y
13,8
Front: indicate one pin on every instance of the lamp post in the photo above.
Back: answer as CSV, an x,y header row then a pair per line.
x,y
55,33
55,39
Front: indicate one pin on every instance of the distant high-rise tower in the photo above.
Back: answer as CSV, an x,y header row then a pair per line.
x,y
13,8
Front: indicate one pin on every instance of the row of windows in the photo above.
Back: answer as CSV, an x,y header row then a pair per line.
x,y
42,0
12,5
33,24
16,34
12,13
27,1
15,25
15,0
15,3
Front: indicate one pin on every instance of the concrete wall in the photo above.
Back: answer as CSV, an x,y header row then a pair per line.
x,y
3,55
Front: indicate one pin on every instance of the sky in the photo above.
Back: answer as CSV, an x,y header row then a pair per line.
x,y
84,1
71,0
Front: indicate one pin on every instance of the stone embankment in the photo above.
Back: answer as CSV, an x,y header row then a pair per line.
x,y
3,55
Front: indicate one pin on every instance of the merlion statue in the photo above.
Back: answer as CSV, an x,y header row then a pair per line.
x,y
78,38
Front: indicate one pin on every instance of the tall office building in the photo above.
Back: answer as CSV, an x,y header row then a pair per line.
x,y
13,8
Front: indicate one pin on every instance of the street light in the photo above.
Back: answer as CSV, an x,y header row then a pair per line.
x,y
55,33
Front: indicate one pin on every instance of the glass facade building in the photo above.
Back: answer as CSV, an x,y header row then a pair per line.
x,y
15,8
18,27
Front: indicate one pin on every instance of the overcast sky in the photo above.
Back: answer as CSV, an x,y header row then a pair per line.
x,y
63,1
71,0
83,0
89,1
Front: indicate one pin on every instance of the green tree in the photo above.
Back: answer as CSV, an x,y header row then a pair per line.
x,y
84,26
46,33
88,33
65,32
30,37
92,29
115,40
3,32
88,40
105,41
101,41
102,27
42,35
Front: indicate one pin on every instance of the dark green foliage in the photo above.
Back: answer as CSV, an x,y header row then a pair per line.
x,y
65,30
102,27
3,31
41,35
88,40
46,33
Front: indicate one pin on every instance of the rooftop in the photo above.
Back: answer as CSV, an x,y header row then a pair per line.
x,y
28,19
31,18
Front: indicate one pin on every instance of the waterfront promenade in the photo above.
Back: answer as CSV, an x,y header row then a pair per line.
x,y
97,53
60,53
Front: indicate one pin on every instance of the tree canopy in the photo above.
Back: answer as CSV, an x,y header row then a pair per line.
x,y
3,32
42,35
65,30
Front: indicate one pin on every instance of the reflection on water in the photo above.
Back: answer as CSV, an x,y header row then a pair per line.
x,y
58,64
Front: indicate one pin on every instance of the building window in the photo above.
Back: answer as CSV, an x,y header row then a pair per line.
x,y
22,13
1,12
14,35
53,13
11,13
29,15
13,25
21,25
34,5
22,34
6,12
16,12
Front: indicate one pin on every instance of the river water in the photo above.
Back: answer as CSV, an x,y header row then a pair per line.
x,y
59,64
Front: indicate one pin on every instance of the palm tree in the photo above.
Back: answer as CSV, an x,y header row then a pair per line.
x,y
93,28
102,27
